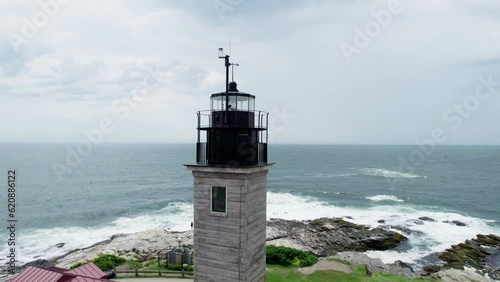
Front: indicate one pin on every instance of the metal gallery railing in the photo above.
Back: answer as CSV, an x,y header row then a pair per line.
x,y
255,155
208,119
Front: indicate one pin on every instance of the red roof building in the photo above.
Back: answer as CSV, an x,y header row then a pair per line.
x,y
85,273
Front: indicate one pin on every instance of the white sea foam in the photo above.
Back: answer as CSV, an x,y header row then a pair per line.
x,y
340,175
330,175
382,198
428,237
388,173
40,243
434,236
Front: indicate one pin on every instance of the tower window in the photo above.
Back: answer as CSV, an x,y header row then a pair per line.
x,y
219,199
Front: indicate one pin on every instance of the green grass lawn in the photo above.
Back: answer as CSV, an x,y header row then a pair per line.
x,y
290,274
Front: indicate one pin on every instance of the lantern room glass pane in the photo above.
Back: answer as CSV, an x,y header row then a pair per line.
x,y
218,103
251,102
232,103
242,103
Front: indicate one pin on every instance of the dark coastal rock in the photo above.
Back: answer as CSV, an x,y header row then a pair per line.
x,y
403,264
455,222
381,221
326,236
429,269
495,274
480,254
116,236
458,223
469,253
426,218
488,240
415,221
60,245
405,230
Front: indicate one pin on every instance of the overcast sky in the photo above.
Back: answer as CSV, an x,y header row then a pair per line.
x,y
362,72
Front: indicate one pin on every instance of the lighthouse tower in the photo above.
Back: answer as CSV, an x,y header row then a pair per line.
x,y
230,185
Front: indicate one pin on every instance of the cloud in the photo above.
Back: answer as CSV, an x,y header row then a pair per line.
x,y
396,89
68,71
14,63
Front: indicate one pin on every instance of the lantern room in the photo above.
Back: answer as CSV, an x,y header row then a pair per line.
x,y
232,133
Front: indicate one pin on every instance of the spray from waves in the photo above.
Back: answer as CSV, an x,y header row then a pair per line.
x,y
427,238
384,198
388,173
40,243
328,175
340,175
368,172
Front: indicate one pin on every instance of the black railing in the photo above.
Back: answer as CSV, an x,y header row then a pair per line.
x,y
231,154
246,119
232,138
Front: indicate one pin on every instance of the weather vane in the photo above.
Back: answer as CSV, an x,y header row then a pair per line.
x,y
227,64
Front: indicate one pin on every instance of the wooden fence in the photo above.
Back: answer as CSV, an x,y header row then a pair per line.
x,y
159,272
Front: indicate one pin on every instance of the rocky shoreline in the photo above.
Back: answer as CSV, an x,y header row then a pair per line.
x,y
327,236
481,254
476,259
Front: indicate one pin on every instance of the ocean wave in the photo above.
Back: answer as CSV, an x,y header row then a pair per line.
x,y
341,175
427,237
40,243
330,175
388,173
381,198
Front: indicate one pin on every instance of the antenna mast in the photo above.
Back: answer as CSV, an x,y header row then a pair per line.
x,y
222,55
227,64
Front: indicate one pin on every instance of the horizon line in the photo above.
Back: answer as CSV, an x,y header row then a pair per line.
x,y
279,143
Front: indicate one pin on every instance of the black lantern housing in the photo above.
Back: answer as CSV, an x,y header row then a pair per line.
x,y
235,133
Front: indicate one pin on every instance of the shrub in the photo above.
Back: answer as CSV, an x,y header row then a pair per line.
x,y
108,262
178,267
289,256
173,266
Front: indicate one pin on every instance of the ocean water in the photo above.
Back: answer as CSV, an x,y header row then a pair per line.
x,y
126,188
